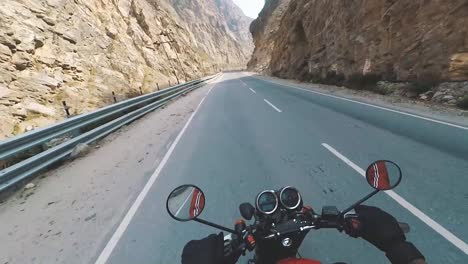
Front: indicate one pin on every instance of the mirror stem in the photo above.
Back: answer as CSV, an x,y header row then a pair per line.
x,y
215,225
359,202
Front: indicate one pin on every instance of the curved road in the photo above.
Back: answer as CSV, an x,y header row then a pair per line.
x,y
249,135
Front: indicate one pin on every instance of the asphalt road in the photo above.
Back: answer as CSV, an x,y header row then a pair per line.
x,y
249,135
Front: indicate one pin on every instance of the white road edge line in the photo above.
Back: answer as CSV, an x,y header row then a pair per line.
x,y
106,252
272,105
168,145
371,105
185,201
411,208
253,91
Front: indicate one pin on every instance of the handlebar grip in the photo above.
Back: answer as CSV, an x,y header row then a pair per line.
x,y
404,227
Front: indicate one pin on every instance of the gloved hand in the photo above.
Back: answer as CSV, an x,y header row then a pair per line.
x,y
209,250
382,230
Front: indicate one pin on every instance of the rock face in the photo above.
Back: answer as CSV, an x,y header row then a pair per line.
x,y
80,51
220,30
394,40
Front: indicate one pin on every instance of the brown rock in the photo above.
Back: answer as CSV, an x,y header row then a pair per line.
x,y
406,40
5,53
459,66
40,109
4,91
21,60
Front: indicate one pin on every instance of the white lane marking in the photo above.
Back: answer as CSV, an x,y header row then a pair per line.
x,y
272,105
168,145
210,90
106,252
374,106
253,91
411,208
243,83
185,201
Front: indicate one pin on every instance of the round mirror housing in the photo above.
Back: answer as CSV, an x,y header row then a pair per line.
x,y
383,175
185,202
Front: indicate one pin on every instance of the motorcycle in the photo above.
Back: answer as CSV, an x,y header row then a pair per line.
x,y
281,221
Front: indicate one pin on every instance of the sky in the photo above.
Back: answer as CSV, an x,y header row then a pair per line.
x,y
251,8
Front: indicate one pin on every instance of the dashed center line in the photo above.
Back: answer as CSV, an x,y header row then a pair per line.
x,y
253,91
272,105
411,208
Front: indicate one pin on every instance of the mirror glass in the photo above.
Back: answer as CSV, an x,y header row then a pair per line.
x,y
383,175
185,202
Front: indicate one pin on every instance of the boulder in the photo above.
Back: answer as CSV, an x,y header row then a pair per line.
x,y
447,97
38,78
5,53
25,37
80,150
21,60
459,66
40,109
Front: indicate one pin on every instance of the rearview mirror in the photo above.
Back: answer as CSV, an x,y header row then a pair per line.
x,y
185,202
383,175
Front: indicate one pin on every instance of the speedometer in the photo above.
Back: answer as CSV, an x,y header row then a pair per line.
x,y
267,202
290,198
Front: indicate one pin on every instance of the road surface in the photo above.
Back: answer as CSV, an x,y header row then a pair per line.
x,y
248,135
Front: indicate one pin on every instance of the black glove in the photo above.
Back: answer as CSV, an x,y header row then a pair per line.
x,y
209,250
382,230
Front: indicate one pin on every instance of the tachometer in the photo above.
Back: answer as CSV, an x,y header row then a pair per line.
x,y
290,198
267,202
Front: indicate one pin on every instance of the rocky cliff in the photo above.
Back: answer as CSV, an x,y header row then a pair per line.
x,y
218,25
424,41
83,50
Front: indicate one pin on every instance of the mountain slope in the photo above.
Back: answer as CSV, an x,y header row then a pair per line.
x,y
83,50
220,29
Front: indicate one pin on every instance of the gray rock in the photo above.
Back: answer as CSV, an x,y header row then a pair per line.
x,y
448,97
438,94
29,186
452,102
80,150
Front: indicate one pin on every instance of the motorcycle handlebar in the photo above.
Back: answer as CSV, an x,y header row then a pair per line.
x,y
294,225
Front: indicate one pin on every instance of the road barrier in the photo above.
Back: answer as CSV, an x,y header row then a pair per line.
x,y
37,150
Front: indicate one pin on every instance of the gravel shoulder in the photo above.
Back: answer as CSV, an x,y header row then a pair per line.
x,y
72,210
425,109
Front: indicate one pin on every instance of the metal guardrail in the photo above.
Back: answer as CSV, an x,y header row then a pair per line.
x,y
102,122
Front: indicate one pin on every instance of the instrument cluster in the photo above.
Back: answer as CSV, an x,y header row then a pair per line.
x,y
288,198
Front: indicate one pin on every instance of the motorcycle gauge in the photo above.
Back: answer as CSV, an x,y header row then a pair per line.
x,y
290,198
267,202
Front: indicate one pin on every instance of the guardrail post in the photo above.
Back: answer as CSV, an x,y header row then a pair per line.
x,y
169,83
66,108
141,92
157,84
113,95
